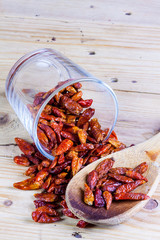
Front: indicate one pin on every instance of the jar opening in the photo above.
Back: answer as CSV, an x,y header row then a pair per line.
x,y
89,83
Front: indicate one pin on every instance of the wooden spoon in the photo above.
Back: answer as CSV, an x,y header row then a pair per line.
x,y
119,211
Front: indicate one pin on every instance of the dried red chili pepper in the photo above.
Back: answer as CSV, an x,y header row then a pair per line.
x,y
131,196
69,135
58,112
85,103
108,199
71,89
44,218
48,109
57,128
141,168
103,149
42,137
47,182
61,159
111,187
96,131
92,140
102,180
68,213
49,132
31,170
105,136
113,135
77,96
60,181
77,85
82,224
42,174
64,146
83,147
135,175
116,143
54,163
44,209
28,184
72,106
92,179
38,98
73,129
70,119
119,170
71,154
57,97
98,198
41,120
40,167
82,135
85,117
76,165
60,189
88,195
109,181
128,187
51,188
121,178
85,126
34,160
46,163
104,166
47,197
21,160
40,203
63,204
25,146
89,154
60,168
62,175
47,116
92,159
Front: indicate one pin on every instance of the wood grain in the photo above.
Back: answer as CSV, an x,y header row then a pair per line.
x,y
127,55
142,12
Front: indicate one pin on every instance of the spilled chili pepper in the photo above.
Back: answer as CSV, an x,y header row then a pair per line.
x,y
66,130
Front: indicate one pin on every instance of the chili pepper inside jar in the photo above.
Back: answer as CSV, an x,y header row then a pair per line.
x,y
58,102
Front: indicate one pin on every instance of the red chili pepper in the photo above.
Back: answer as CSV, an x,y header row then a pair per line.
x,y
136,175
128,187
131,196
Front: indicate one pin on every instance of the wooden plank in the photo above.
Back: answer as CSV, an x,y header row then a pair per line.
x,y
128,54
142,12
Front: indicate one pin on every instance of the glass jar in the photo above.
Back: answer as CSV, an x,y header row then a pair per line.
x,y
46,69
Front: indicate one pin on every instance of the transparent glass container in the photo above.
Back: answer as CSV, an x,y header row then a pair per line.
x,y
46,69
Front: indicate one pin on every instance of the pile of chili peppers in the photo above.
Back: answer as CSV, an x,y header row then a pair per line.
x,y
105,184
66,130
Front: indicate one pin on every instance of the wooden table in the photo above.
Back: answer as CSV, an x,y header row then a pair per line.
x,y
118,42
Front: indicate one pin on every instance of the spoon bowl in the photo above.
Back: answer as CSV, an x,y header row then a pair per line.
x,y
119,211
